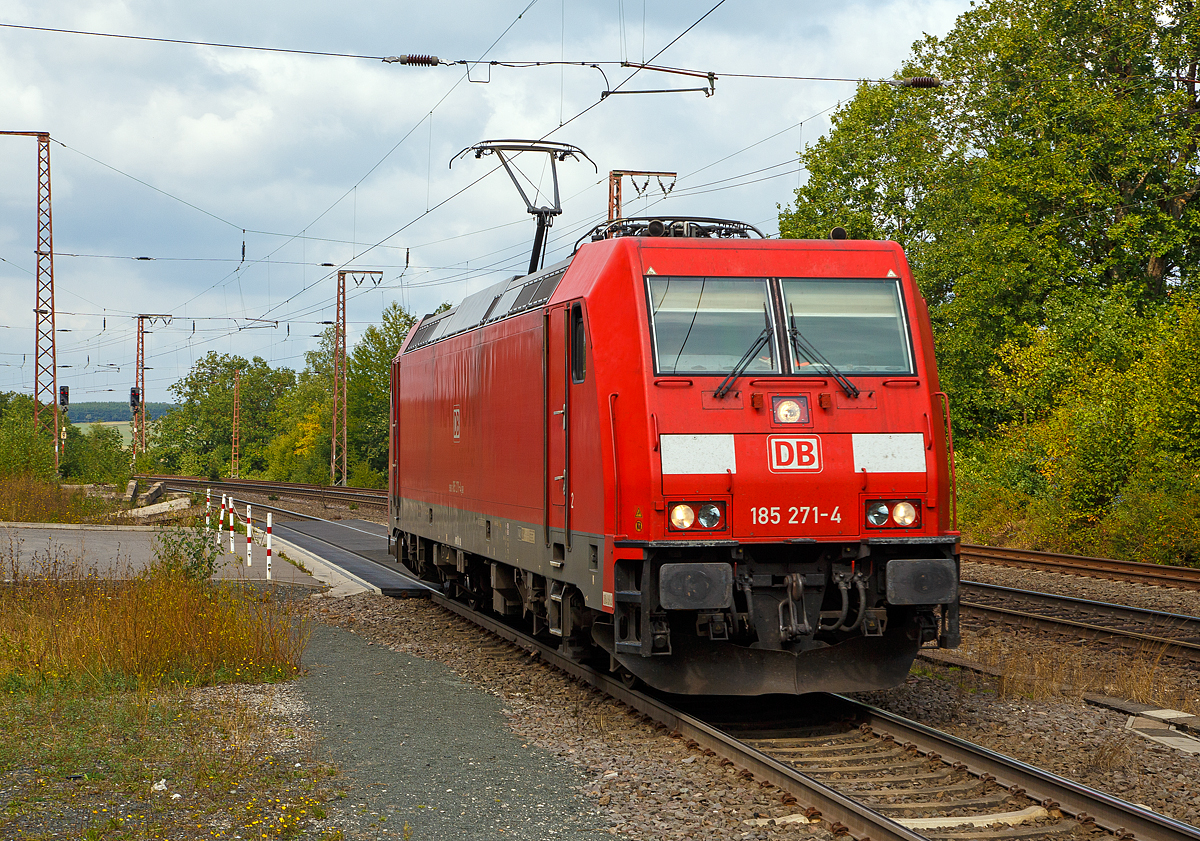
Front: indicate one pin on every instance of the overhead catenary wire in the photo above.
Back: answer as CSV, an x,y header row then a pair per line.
x,y
579,114
380,162
419,60
684,191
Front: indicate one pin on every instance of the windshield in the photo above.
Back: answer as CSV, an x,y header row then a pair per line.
x,y
705,324
858,325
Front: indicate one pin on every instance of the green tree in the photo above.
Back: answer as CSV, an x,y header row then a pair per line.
x,y
1109,462
1062,156
300,450
368,393
97,455
22,450
195,436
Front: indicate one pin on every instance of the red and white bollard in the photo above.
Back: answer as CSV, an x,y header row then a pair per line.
x,y
249,534
207,510
268,545
221,522
232,526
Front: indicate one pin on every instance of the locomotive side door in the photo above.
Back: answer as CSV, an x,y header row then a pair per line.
x,y
557,367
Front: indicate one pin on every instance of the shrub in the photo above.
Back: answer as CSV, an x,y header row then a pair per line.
x,y
189,550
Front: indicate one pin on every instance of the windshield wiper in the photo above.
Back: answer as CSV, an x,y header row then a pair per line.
x,y
764,338
808,350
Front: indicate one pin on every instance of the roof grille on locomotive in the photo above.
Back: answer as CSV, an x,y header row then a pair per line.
x,y
693,227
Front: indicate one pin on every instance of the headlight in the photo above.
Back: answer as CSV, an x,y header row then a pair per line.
x,y
709,516
682,516
788,411
903,514
877,513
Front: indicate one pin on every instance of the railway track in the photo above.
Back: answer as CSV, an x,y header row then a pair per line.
x,y
1187,578
1171,634
1168,576
876,775
292,490
869,773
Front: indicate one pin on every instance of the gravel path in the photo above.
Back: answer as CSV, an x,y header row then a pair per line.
x,y
645,784
637,781
424,751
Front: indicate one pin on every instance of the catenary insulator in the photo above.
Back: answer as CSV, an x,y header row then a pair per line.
x,y
918,82
422,60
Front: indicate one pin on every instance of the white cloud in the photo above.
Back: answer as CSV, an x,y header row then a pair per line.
x,y
275,143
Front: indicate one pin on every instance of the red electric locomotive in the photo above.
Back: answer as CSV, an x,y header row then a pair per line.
x,y
722,460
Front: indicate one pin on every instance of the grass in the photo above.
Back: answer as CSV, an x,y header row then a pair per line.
x,y
26,499
62,628
135,708
1030,668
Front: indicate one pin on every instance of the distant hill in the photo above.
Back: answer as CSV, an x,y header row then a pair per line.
x,y
108,412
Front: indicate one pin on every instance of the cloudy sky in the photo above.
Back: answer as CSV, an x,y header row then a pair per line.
x,y
182,153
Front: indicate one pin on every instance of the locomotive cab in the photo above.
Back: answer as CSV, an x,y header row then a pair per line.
x,y
722,461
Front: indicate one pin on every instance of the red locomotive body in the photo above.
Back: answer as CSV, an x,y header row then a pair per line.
x,y
723,461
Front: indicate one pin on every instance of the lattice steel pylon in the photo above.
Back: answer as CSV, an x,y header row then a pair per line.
x,y
139,415
338,451
45,377
234,467
139,374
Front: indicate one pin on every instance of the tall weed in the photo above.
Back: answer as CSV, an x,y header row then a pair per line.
x,y
26,498
65,629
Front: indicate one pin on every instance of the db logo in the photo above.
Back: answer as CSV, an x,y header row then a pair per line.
x,y
794,453
457,422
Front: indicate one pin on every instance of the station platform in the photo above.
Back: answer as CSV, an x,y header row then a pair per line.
x,y
355,549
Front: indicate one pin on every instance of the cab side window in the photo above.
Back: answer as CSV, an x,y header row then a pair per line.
x,y
578,345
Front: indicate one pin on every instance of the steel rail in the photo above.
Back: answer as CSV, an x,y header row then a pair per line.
x,y
1141,573
1187,627
1187,578
1178,648
1118,816
1123,612
1125,820
834,807
295,490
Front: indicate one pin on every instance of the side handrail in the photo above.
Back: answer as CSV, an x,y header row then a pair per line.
x,y
612,431
944,399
